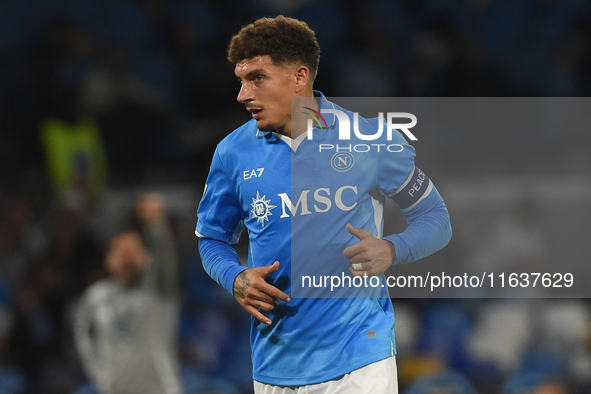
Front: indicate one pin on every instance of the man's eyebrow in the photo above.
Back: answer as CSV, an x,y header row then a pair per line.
x,y
251,74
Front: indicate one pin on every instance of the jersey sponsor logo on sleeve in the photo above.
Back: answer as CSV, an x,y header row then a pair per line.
x,y
416,187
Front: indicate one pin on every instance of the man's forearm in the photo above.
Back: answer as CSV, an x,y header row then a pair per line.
x,y
164,267
428,231
221,262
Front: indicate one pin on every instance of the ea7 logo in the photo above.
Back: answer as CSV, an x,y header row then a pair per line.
x,y
256,173
345,125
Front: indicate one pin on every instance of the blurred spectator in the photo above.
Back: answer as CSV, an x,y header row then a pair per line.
x,y
34,341
74,254
562,340
76,158
30,235
502,334
442,383
133,112
11,378
140,72
13,261
535,383
126,325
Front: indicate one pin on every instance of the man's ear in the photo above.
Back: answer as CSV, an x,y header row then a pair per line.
x,y
302,75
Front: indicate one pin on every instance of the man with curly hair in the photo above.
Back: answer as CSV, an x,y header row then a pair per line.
x,y
309,344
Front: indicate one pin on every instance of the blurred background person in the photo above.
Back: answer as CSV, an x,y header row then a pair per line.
x,y
152,77
535,383
75,154
126,325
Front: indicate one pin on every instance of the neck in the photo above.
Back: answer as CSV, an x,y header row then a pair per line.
x,y
299,111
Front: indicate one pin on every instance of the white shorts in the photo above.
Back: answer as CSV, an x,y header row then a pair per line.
x,y
380,377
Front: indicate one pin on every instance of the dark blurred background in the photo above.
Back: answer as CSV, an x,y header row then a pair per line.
x,y
141,92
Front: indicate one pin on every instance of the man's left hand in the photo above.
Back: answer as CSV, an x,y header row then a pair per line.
x,y
371,256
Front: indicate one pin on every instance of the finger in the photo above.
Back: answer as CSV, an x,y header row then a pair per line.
x,y
258,315
265,306
358,232
267,293
268,269
275,292
366,271
259,296
359,258
353,250
363,266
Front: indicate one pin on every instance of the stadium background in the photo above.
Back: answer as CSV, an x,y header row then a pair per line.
x,y
152,80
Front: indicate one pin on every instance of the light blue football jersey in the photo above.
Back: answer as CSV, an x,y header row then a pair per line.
x,y
295,204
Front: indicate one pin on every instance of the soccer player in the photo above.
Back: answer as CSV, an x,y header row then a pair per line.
x,y
331,212
125,326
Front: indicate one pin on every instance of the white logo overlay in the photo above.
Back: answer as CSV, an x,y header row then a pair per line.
x,y
345,125
261,209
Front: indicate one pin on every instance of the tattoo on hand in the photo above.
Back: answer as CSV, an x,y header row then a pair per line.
x,y
240,292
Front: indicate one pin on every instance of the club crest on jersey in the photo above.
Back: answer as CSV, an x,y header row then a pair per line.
x,y
261,209
342,161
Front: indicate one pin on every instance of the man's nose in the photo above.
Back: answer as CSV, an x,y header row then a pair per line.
x,y
245,94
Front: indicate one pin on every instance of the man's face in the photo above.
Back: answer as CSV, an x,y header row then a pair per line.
x,y
266,92
127,257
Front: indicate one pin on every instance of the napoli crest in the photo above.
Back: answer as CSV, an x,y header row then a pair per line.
x,y
342,161
261,209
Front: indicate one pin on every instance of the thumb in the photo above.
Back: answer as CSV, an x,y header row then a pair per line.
x,y
269,269
358,232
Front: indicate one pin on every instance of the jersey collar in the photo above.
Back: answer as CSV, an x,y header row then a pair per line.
x,y
325,104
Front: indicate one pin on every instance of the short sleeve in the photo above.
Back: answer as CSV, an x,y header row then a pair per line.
x,y
220,214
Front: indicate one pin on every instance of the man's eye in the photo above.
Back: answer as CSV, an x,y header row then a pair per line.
x,y
258,78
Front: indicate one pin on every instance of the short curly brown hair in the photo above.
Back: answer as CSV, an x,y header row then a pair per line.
x,y
285,40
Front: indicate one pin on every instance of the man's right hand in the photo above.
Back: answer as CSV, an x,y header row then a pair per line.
x,y
255,294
